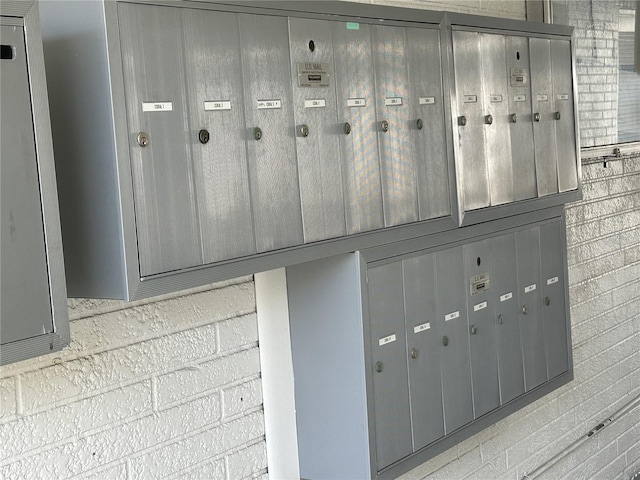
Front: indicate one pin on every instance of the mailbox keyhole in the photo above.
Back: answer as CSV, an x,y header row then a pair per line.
x,y
478,261
7,52
312,45
517,55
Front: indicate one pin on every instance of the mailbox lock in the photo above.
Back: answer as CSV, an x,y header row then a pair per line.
x,y
488,119
384,125
347,128
473,329
203,136
419,124
445,340
536,117
462,121
143,139
557,115
500,319
379,367
514,117
525,309
414,353
547,301
257,133
304,130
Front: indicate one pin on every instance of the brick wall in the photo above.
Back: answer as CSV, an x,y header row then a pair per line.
x,y
167,387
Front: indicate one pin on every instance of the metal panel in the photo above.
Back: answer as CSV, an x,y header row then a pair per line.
x,y
323,214
478,273
423,341
397,156
355,92
165,206
388,350
26,303
214,83
520,126
451,314
425,75
505,298
565,123
530,299
471,120
554,311
496,126
273,172
544,130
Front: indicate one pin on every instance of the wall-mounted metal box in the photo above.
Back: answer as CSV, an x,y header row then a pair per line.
x,y
219,139
33,318
402,351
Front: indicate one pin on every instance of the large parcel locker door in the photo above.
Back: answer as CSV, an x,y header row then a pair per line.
x,y
555,314
397,156
26,302
451,314
217,135
561,67
520,126
273,173
317,144
388,350
529,294
423,344
496,125
355,91
544,129
427,125
482,339
164,194
504,284
471,120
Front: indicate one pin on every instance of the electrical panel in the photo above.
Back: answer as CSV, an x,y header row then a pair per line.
x,y
458,333
217,140
34,304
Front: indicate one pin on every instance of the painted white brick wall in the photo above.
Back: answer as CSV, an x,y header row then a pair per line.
x,y
165,387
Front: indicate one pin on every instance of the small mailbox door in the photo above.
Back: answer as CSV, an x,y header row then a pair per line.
x,y
165,201
317,144
355,91
397,156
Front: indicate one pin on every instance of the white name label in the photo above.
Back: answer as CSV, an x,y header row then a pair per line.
x,y
530,288
552,280
427,100
470,98
385,340
506,296
451,316
542,97
563,96
269,104
495,98
157,106
392,101
356,102
217,105
480,306
315,103
519,98
421,328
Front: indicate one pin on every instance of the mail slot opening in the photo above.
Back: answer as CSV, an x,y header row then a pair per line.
x,y
8,52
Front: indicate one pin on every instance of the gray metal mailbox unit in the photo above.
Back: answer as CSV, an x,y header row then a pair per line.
x,y
34,303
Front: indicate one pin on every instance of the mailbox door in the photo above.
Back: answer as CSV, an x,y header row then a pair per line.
x,y
273,172
164,194
427,123
397,156
214,85
355,89
388,349
317,144
423,345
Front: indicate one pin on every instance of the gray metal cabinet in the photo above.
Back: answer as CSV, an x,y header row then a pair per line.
x,y
33,317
